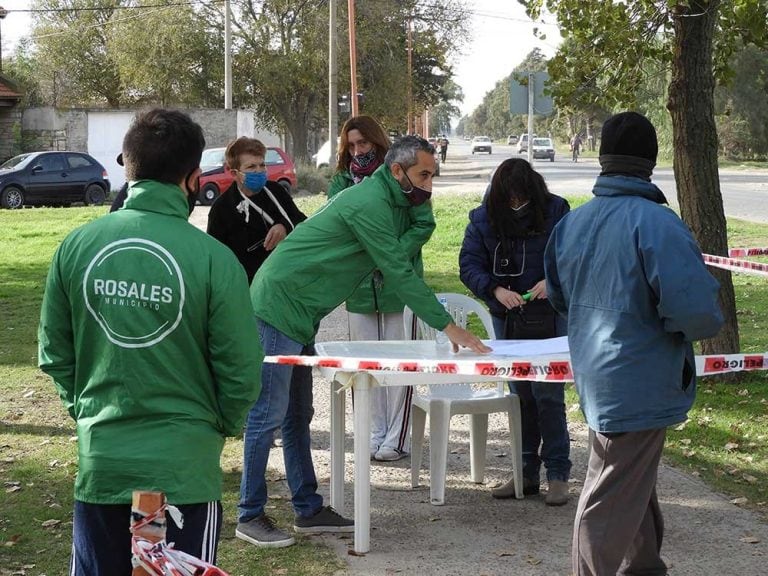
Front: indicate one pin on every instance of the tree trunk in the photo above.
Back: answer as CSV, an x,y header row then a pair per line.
x,y
691,104
590,143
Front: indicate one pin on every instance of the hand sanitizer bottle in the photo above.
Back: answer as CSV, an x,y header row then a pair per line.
x,y
442,342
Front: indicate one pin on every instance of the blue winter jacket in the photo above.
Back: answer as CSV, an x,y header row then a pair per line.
x,y
632,282
482,265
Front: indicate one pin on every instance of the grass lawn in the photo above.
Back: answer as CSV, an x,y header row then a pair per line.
x,y
725,440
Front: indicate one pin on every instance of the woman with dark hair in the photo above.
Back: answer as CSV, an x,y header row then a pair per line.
x,y
362,147
502,263
375,311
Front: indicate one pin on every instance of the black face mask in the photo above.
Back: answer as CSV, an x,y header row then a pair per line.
x,y
192,192
516,223
416,196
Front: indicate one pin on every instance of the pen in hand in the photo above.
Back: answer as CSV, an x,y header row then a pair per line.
x,y
255,246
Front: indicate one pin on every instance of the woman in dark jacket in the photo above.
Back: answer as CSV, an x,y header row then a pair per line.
x,y
502,262
253,215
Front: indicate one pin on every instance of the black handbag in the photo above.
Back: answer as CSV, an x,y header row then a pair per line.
x,y
532,321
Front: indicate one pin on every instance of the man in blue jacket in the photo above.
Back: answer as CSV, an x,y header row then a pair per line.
x,y
631,280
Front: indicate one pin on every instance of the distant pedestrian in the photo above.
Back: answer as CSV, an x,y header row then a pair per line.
x,y
631,280
443,148
576,146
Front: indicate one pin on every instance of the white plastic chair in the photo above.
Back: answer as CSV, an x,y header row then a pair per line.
x,y
445,400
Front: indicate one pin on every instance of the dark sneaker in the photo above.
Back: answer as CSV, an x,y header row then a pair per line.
x,y
325,520
262,532
530,488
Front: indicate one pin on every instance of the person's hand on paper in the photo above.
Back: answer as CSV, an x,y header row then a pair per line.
x,y
460,337
539,290
508,298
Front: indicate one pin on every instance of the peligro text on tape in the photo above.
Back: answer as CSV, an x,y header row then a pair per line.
x,y
742,252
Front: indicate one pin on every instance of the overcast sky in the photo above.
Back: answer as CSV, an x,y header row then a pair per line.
x,y
502,35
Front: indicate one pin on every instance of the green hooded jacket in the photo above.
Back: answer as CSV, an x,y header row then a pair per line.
x,y
414,231
147,330
320,264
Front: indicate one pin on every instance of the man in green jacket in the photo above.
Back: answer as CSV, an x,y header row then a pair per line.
x,y
374,310
311,272
146,329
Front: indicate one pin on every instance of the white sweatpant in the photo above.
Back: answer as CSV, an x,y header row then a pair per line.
x,y
390,405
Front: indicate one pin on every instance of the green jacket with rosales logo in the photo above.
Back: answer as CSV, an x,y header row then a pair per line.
x,y
147,331
321,263
415,226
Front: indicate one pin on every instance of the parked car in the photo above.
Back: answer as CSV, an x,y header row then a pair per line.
x,y
215,178
321,156
481,144
543,148
52,178
512,140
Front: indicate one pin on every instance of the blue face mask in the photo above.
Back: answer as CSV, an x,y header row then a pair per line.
x,y
255,181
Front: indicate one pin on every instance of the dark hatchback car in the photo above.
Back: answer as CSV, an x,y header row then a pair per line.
x,y
52,178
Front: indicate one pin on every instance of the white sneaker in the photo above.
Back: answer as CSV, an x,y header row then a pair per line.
x,y
374,449
386,454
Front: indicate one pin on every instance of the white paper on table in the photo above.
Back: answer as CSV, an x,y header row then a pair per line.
x,y
529,347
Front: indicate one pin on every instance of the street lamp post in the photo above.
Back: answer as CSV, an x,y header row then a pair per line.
x,y
3,14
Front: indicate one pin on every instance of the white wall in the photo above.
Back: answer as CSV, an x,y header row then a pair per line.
x,y
105,141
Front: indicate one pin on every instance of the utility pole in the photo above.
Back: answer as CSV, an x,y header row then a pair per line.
x,y
333,113
410,79
3,14
352,58
227,57
530,117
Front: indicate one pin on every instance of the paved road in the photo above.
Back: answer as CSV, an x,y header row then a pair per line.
x,y
745,192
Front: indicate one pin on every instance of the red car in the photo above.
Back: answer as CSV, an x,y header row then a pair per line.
x,y
215,179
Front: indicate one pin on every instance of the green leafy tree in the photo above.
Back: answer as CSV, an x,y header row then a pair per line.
x,y
280,65
21,68
72,53
438,31
742,113
695,39
183,65
281,60
441,114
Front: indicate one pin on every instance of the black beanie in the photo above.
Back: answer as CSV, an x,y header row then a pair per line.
x,y
629,134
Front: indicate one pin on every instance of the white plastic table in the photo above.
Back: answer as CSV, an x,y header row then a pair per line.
x,y
362,365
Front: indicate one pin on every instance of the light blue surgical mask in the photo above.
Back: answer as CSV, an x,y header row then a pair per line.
x,y
255,181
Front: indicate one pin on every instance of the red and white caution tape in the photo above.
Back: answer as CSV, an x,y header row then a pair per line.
x,y
743,252
714,364
557,368
160,558
552,368
736,265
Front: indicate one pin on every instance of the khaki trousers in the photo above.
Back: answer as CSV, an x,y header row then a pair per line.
x,y
619,527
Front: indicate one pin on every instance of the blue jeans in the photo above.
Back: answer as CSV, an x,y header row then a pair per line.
x,y
285,401
545,430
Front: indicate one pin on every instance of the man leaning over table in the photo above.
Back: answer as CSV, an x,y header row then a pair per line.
x,y
310,273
